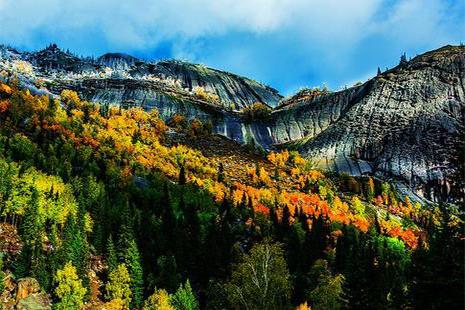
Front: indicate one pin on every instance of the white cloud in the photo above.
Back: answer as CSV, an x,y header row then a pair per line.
x,y
272,40
146,22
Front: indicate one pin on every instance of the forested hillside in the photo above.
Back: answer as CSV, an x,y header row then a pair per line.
x,y
106,208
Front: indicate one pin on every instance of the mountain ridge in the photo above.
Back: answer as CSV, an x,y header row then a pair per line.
x,y
416,105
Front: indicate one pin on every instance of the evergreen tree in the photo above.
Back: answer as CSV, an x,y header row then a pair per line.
x,y
184,298
30,234
75,247
133,262
168,276
112,258
182,176
438,272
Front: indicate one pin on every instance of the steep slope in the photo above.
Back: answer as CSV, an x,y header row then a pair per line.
x,y
117,61
238,91
402,123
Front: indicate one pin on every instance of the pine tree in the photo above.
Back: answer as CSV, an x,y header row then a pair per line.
x,y
184,298
75,247
30,234
133,262
112,258
182,175
168,275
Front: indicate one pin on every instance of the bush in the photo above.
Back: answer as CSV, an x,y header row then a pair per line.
x,y
178,121
256,111
201,93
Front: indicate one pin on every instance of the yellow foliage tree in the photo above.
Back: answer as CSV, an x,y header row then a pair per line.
x,y
303,306
69,290
159,300
119,285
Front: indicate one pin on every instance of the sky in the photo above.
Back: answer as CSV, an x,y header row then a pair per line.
x,y
287,44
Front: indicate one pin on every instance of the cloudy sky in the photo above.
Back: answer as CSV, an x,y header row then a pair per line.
x,y
287,44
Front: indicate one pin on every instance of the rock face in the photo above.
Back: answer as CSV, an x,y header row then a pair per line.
x,y
236,90
117,61
402,124
26,287
233,91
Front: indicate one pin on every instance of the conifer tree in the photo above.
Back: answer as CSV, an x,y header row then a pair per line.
x,y
75,247
184,298
182,175
30,234
133,263
112,257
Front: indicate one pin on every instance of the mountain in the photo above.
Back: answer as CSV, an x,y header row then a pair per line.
x,y
402,124
226,89
112,208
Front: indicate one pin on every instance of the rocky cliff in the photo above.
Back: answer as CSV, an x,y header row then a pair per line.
x,y
402,124
230,91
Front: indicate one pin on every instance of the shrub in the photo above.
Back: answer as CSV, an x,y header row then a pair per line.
x,y
256,111
201,93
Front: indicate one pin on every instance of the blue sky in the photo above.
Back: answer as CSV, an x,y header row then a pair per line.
x,y
286,44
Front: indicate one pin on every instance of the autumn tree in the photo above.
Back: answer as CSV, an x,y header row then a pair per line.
x,y
69,290
119,285
370,189
159,300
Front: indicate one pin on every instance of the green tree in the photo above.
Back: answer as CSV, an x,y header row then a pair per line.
x,y
184,298
75,246
112,258
133,261
328,294
261,279
69,290
30,229
168,276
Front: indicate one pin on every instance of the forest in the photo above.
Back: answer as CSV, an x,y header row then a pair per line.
x,y
111,214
